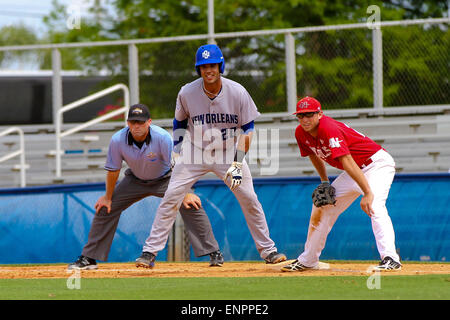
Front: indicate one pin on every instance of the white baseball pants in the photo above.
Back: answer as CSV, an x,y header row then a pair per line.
x,y
379,174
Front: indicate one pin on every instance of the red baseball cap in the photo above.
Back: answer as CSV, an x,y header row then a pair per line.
x,y
308,104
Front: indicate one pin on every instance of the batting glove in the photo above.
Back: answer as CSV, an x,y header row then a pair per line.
x,y
235,174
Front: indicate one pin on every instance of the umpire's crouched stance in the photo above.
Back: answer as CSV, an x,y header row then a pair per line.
x,y
147,151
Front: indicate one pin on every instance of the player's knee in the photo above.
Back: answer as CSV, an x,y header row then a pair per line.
x,y
244,195
103,211
171,204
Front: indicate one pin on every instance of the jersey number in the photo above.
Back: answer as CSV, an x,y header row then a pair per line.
x,y
228,133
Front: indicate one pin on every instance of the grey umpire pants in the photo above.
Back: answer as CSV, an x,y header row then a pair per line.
x,y
131,190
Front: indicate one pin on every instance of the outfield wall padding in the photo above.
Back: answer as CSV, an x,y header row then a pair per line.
x,y
51,224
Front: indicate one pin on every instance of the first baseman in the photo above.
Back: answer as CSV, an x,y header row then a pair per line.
x,y
146,148
368,171
215,118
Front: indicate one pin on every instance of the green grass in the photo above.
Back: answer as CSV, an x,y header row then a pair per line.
x,y
423,287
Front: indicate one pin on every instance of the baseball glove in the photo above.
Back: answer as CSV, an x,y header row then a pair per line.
x,y
324,194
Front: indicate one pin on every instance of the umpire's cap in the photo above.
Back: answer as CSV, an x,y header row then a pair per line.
x,y
138,112
209,53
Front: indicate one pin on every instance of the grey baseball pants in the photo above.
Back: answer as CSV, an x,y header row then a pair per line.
x,y
183,177
130,190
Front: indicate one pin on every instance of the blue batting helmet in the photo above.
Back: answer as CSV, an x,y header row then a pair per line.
x,y
209,53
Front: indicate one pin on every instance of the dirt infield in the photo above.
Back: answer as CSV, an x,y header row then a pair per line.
x,y
202,269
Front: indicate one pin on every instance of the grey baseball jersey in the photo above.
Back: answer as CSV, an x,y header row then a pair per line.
x,y
212,126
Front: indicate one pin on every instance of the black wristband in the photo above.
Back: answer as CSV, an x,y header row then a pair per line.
x,y
239,156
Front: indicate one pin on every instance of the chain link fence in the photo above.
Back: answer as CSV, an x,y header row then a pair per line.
x,y
333,63
336,66
416,64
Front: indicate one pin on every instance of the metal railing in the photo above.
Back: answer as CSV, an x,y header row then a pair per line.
x,y
291,57
59,118
20,152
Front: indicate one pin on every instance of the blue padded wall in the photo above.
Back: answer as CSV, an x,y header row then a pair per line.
x,y
51,224
418,204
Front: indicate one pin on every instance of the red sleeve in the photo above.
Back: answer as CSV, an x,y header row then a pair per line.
x,y
304,149
334,138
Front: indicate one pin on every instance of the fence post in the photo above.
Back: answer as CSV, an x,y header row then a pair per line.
x,y
178,244
211,22
23,180
377,57
57,100
291,72
133,73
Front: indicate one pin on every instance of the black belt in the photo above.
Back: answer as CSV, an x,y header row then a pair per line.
x,y
128,172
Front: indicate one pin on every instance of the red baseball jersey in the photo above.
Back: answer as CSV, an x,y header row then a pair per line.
x,y
335,139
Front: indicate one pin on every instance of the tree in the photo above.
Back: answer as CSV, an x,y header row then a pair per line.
x,y
17,35
335,66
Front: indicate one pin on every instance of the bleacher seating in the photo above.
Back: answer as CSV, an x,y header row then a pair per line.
x,y
419,142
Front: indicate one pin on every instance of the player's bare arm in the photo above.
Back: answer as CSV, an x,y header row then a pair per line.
x,y
192,200
244,141
319,164
356,173
105,200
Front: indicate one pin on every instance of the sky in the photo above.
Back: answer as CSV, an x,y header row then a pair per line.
x,y
29,12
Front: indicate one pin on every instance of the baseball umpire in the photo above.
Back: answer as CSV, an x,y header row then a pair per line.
x,y
146,148
368,171
211,111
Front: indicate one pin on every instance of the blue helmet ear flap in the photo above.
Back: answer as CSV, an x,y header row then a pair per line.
x,y
221,68
207,54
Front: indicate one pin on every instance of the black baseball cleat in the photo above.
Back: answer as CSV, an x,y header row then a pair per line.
x,y
275,257
146,260
83,263
216,259
388,264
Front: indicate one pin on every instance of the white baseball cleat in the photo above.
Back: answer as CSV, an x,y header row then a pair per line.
x,y
297,266
388,264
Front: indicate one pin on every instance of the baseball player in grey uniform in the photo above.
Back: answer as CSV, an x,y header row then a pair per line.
x,y
147,150
214,117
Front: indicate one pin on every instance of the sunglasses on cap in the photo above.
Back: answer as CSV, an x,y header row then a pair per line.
x,y
306,114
